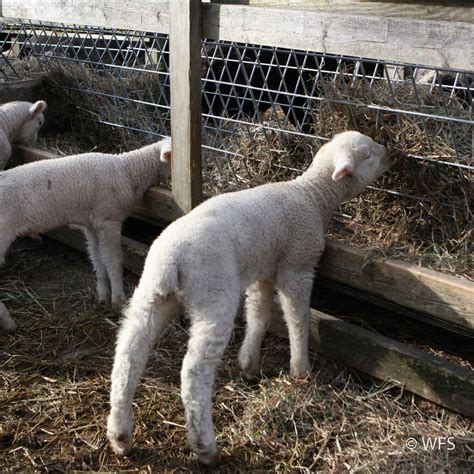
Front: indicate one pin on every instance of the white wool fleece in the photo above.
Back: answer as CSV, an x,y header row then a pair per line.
x,y
19,123
255,240
95,191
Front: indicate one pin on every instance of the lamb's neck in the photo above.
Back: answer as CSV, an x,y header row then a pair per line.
x,y
324,194
143,166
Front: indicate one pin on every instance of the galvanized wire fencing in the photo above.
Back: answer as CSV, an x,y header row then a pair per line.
x,y
266,111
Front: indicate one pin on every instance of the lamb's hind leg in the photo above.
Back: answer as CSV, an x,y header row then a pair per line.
x,y
210,333
294,289
144,322
6,322
103,284
110,248
258,312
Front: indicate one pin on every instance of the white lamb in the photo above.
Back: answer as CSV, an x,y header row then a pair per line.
x,y
95,191
19,123
253,240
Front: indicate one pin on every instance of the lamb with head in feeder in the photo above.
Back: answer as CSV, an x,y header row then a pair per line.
x,y
20,123
95,191
254,240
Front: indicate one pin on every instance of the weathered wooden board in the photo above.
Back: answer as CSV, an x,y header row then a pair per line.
x,y
185,70
435,35
146,15
447,299
419,372
438,43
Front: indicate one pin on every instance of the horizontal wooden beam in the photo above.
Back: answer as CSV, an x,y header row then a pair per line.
x,y
436,43
426,375
145,15
438,36
446,299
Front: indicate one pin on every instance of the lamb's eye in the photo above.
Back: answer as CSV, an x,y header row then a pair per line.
x,y
370,156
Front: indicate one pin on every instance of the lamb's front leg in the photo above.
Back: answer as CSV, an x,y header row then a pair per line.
x,y
144,322
294,289
258,313
110,248
6,322
210,334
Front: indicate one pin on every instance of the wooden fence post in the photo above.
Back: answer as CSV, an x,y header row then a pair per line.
x,y
185,69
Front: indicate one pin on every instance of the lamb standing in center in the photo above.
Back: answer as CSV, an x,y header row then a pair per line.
x,y
253,240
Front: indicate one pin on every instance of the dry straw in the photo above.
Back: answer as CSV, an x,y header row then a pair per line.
x,y
55,369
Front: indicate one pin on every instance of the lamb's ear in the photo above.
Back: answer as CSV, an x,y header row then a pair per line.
x,y
165,152
344,166
37,108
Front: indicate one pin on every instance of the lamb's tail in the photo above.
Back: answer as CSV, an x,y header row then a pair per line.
x,y
154,300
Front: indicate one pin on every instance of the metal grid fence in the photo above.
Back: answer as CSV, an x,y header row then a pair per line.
x,y
255,99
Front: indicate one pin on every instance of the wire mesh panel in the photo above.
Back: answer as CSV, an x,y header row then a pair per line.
x,y
118,79
266,111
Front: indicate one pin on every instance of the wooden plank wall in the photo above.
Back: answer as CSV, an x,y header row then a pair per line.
x,y
413,35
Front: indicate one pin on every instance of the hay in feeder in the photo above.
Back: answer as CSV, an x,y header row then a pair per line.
x,y
421,210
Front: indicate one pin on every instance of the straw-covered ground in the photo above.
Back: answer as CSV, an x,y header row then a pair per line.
x,y
54,376
433,227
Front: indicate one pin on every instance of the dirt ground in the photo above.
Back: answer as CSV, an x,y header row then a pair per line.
x,y
54,379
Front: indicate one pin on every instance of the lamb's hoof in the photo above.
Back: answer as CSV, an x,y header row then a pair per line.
x,y
300,375
210,458
9,326
121,443
300,371
250,368
119,302
250,375
119,432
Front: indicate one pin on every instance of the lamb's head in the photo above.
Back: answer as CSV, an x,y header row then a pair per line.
x,y
354,158
28,133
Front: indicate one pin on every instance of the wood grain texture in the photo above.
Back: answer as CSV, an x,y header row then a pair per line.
x,y
431,377
185,71
447,299
437,43
146,15
433,35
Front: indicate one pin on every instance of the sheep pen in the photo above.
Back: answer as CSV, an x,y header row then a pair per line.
x,y
56,369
